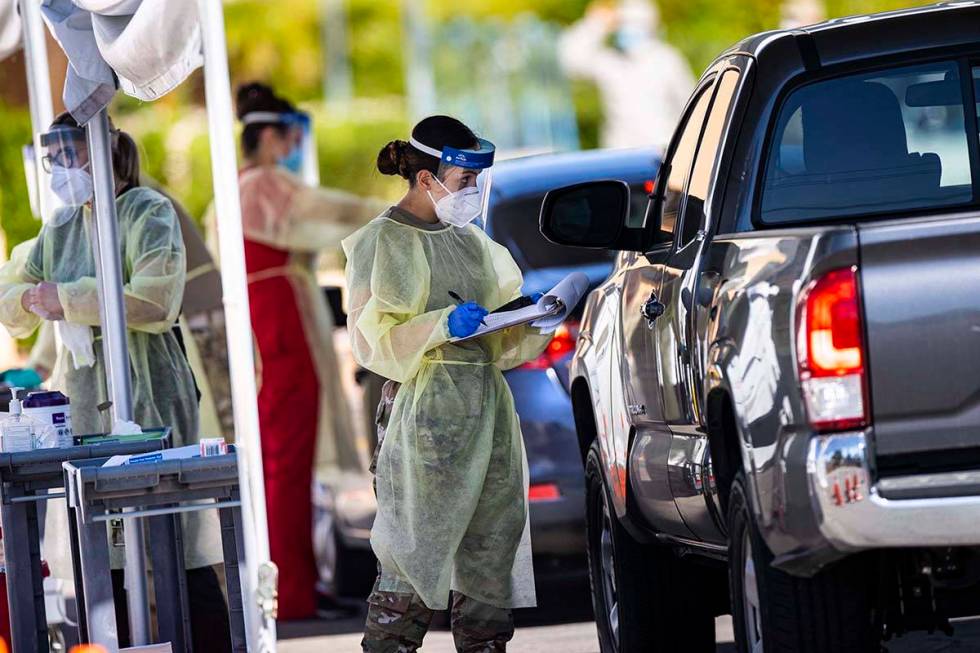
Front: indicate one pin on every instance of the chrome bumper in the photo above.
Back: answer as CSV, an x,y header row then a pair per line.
x,y
853,514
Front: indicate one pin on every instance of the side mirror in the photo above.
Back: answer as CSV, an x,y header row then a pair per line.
x,y
591,214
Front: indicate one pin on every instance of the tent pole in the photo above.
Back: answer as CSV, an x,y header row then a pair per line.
x,y
116,349
259,577
38,92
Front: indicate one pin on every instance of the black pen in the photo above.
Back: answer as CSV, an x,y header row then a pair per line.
x,y
459,301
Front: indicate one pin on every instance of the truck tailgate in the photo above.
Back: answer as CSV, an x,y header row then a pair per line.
x,y
920,284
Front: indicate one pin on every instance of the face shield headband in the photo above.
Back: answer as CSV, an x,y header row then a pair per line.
x,y
461,206
479,158
298,119
299,156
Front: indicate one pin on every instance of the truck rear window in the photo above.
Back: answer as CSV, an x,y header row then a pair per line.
x,y
888,141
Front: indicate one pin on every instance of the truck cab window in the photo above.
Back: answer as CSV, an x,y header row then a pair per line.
x,y
880,142
680,165
714,129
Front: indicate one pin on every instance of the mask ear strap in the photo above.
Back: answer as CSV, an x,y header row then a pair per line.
x,y
439,181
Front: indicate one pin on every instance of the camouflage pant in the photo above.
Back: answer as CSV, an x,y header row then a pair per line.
x,y
397,623
385,406
208,331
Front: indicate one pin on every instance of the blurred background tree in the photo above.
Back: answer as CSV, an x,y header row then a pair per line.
x,y
281,43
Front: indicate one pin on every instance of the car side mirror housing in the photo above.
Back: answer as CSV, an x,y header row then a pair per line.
x,y
592,214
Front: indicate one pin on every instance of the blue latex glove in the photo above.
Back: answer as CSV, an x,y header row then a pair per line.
x,y
536,296
465,319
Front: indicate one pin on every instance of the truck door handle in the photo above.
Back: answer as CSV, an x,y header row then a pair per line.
x,y
652,309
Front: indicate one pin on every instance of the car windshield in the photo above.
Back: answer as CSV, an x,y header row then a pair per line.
x,y
881,142
514,224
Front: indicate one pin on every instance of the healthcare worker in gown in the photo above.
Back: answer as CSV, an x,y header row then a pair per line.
x,y
643,82
303,415
56,282
451,473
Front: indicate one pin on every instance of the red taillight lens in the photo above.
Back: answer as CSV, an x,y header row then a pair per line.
x,y
833,325
831,352
562,344
543,492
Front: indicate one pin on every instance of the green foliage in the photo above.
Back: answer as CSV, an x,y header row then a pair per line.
x,y
284,48
375,41
174,148
15,213
839,8
277,42
588,110
702,29
348,146
560,11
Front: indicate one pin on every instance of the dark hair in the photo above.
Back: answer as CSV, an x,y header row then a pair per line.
x,y
402,159
125,154
256,96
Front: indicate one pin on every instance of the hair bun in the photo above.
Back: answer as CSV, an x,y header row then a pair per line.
x,y
254,96
391,159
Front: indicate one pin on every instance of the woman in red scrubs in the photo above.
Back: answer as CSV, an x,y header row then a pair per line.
x,y
303,415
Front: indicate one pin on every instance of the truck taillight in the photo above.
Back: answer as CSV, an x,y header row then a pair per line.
x,y
562,344
831,353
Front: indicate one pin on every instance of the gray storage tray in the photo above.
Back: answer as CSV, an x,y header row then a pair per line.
x,y
103,490
41,469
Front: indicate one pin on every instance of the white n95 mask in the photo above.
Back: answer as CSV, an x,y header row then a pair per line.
x,y
459,208
73,186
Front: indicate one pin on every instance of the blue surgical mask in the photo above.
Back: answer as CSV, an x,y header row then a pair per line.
x,y
629,37
293,161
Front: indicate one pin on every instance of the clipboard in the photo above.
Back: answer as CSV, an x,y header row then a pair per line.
x,y
549,312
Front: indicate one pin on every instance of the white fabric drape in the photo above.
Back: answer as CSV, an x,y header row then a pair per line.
x,y
10,29
145,47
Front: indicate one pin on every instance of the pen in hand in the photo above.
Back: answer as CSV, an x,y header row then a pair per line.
x,y
459,301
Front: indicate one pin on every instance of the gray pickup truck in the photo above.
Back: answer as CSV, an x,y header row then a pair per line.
x,y
781,376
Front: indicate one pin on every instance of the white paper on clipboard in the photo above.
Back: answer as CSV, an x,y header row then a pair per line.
x,y
550,311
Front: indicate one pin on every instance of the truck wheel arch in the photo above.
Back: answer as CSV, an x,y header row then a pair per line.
x,y
585,424
723,443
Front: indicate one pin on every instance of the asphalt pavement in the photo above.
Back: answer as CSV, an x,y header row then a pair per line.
x,y
563,624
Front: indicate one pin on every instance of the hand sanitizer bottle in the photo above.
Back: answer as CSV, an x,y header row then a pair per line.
x,y
17,431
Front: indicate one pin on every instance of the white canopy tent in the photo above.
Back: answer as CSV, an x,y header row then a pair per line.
x,y
134,34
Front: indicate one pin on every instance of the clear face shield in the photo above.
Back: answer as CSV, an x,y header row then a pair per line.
x,y
464,180
301,158
65,168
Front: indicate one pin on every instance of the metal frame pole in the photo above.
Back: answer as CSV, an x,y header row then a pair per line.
x,y
115,348
38,92
260,577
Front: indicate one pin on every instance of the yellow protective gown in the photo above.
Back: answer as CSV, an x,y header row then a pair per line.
x,y
280,210
202,325
452,471
154,269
